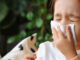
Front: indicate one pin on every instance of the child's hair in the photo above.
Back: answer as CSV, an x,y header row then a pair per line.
x,y
52,3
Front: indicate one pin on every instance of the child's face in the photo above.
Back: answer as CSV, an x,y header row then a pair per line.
x,y
68,12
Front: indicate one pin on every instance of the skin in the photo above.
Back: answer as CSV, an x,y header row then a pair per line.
x,y
67,12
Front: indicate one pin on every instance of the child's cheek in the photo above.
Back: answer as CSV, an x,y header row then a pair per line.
x,y
77,31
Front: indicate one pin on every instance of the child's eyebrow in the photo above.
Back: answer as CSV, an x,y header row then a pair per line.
x,y
72,15
57,15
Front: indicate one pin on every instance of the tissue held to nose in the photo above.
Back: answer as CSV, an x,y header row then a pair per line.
x,y
63,28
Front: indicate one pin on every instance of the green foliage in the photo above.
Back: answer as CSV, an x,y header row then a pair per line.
x,y
47,37
29,25
40,37
17,37
17,5
12,39
36,12
41,1
37,43
30,15
39,22
42,10
3,11
49,16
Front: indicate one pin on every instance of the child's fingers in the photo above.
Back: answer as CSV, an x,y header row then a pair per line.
x,y
60,33
69,33
55,33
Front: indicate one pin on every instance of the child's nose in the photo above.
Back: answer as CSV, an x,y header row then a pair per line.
x,y
64,22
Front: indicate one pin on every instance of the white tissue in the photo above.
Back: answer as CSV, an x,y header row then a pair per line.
x,y
63,28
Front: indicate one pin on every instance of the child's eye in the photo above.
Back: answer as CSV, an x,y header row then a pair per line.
x,y
58,19
72,21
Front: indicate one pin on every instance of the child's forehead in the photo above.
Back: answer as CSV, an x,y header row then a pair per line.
x,y
67,6
67,0
68,3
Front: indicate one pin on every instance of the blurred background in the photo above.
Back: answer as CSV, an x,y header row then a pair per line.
x,y
22,18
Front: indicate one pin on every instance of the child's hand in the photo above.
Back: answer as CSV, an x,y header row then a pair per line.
x,y
30,57
64,44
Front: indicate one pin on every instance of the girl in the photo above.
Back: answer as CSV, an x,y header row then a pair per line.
x,y
66,12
